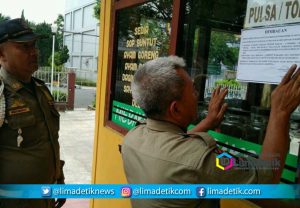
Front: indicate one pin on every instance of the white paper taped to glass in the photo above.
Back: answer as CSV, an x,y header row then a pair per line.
x,y
267,53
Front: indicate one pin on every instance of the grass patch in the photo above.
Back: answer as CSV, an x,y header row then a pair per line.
x,y
85,82
59,96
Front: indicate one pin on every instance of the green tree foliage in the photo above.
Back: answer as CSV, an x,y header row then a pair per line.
x,y
32,25
44,45
61,54
60,57
3,17
59,96
64,55
97,9
227,82
59,22
157,9
22,15
223,49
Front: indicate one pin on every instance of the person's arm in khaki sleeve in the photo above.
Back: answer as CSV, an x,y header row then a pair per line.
x,y
285,98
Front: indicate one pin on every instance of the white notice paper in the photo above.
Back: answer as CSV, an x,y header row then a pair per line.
x,y
267,53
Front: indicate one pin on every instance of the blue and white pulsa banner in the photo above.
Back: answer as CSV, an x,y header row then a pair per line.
x,y
140,191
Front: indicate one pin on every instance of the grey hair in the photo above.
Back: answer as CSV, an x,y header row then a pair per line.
x,y
156,84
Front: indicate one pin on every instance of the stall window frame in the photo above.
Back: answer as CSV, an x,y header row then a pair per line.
x,y
116,7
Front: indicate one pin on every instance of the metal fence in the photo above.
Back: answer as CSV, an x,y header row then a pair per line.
x,y
234,92
60,82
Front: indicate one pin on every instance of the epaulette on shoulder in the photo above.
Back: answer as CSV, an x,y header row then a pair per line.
x,y
141,122
206,138
38,80
185,135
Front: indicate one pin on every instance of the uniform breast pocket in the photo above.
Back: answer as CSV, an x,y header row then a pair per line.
x,y
21,120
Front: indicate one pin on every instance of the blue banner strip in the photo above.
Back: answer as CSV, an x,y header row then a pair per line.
x,y
139,191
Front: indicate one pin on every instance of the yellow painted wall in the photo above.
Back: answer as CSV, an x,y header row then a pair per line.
x,y
237,203
107,164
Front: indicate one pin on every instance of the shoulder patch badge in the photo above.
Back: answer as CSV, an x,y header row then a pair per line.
x,y
17,103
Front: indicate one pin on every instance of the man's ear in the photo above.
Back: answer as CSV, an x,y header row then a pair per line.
x,y
174,110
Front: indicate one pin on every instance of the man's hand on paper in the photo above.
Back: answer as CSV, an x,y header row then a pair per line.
x,y
286,96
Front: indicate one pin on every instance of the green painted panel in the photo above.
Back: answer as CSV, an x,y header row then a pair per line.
x,y
288,175
130,114
291,160
235,142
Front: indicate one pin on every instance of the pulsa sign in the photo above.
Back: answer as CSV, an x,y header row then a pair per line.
x,y
266,12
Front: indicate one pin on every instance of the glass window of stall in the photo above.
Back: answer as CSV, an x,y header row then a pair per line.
x,y
142,31
210,42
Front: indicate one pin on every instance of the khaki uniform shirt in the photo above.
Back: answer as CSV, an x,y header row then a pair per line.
x,y
160,152
29,113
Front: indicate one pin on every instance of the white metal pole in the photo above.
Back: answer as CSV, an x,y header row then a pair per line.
x,y
58,77
53,44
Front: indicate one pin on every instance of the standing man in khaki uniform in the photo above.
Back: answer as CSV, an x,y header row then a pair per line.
x,y
162,151
29,148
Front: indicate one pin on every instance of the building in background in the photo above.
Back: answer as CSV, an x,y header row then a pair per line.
x,y
81,37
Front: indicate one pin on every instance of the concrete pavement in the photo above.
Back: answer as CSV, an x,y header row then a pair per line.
x,y
84,96
76,138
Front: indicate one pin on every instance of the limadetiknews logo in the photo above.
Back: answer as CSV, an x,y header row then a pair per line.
x,y
126,192
200,192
